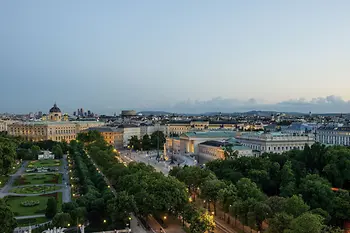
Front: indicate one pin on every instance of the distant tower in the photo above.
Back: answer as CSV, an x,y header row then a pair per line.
x,y
82,112
310,114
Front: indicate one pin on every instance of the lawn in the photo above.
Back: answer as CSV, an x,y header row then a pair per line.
x,y
19,210
39,179
44,163
34,189
31,221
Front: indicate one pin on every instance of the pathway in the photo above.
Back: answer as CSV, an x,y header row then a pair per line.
x,y
66,195
13,177
30,216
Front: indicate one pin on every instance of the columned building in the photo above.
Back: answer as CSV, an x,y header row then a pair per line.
x,y
275,142
334,135
54,128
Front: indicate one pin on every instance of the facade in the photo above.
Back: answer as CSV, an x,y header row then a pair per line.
x,y
129,131
334,135
300,128
46,155
53,129
274,142
111,135
4,124
189,141
180,127
151,128
211,150
172,144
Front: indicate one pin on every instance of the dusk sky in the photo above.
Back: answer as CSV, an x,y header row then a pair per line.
x,y
182,56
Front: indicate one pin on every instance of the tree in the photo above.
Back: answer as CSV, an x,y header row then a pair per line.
x,y
51,207
248,189
227,196
202,222
7,155
120,207
35,150
295,206
7,221
57,151
157,139
279,222
134,143
317,192
210,190
287,188
61,220
229,153
306,223
146,142
261,212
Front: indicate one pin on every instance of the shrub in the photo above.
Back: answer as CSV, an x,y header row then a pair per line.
x,y
29,203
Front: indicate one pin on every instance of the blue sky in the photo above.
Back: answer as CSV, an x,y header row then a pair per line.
x,y
174,55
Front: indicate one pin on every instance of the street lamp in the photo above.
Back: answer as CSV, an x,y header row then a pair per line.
x,y
165,217
104,221
68,225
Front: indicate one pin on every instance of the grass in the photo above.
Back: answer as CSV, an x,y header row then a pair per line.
x,y
39,179
15,204
31,221
34,189
44,163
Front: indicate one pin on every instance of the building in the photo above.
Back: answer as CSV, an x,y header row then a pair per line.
x,y
4,124
128,131
210,150
128,113
53,127
176,128
189,141
151,128
172,144
297,128
333,135
46,155
275,142
111,135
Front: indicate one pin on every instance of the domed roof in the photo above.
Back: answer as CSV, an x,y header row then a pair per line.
x,y
55,109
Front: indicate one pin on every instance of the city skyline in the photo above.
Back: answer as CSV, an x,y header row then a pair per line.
x,y
181,56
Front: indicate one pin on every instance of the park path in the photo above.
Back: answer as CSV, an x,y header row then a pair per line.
x,y
30,216
13,177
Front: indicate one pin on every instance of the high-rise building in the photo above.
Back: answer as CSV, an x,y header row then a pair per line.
x,y
74,113
81,112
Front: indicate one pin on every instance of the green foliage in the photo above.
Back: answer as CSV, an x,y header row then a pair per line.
x,y
35,150
146,143
288,185
202,222
7,154
134,143
7,221
61,220
157,139
229,153
295,206
279,222
120,207
57,151
51,208
306,223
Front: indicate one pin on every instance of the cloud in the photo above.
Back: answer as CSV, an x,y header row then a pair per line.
x,y
328,104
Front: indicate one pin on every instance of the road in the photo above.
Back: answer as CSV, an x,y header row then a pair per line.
x,y
66,194
12,179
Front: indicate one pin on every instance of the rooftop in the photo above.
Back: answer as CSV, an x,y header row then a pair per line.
x,y
211,134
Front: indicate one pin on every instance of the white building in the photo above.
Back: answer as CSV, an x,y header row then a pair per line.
x,y
334,135
275,142
129,131
46,155
189,141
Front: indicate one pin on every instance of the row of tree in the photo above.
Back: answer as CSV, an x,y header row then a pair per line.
x,y
245,201
313,175
143,191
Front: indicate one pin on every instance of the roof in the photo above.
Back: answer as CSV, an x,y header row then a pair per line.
x,y
211,134
55,108
102,129
128,126
216,143
222,122
179,122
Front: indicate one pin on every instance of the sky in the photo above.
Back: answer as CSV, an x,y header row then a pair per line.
x,y
180,56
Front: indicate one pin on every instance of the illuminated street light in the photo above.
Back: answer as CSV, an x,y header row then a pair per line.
x,y
68,224
165,217
104,221
109,186
213,213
